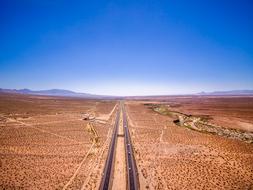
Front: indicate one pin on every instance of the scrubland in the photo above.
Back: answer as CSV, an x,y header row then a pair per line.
x,y
169,156
45,143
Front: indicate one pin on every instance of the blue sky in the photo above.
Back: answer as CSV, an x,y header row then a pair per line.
x,y
127,47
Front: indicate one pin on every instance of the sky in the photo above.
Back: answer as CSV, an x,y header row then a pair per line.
x,y
127,47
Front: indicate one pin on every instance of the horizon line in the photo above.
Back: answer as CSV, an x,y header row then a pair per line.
x,y
199,93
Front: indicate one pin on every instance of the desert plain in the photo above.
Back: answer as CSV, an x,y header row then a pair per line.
x,y
46,142
170,156
190,142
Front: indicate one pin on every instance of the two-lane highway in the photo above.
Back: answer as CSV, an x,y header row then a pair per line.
x,y
131,165
108,170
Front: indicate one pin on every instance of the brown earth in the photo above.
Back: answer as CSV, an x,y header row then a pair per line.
x,y
44,142
230,112
173,157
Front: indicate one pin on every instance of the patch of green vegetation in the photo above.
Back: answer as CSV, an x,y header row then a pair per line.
x,y
164,111
201,124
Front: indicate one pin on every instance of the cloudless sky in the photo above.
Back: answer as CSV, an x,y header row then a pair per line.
x,y
127,47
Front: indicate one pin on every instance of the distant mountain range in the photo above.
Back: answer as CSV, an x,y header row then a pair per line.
x,y
68,93
231,92
51,92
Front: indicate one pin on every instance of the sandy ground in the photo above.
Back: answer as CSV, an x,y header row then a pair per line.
x,y
119,174
45,143
173,157
230,112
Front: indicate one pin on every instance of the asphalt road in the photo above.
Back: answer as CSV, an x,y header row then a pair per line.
x,y
132,173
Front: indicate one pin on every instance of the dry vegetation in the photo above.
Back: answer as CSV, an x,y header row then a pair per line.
x,y
45,143
173,157
202,123
230,112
